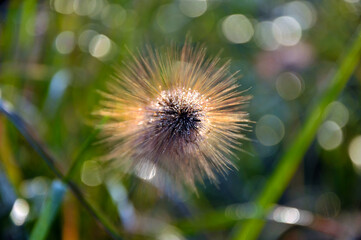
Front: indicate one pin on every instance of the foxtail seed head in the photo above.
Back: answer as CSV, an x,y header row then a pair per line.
x,y
175,110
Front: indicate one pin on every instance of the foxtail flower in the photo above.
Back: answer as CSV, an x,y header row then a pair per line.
x,y
174,110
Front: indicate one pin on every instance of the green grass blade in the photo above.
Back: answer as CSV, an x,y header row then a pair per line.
x,y
290,161
28,14
78,159
49,211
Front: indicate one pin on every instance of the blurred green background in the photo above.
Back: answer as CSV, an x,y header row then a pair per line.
x,y
55,56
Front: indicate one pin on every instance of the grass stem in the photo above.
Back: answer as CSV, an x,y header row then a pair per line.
x,y
290,161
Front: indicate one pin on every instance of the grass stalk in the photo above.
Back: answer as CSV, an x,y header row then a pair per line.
x,y
290,161
49,211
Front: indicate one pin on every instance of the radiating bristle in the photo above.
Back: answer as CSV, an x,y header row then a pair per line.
x,y
176,121
175,110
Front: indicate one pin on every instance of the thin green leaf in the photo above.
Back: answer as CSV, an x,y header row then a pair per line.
x,y
49,211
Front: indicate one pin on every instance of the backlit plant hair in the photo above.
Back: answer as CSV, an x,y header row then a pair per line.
x,y
176,111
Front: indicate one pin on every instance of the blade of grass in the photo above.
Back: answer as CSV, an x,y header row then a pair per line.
x,y
210,221
7,155
28,13
290,161
78,159
49,211
36,144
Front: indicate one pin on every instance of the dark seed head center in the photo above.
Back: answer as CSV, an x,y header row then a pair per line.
x,y
180,114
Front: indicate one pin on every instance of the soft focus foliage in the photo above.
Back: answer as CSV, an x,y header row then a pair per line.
x,y
55,55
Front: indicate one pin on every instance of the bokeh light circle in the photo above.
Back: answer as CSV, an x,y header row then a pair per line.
x,y
338,113
270,130
289,86
329,135
354,151
287,31
194,8
303,12
237,28
65,42
99,46
264,36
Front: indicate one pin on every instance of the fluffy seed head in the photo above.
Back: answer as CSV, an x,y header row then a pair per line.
x,y
174,110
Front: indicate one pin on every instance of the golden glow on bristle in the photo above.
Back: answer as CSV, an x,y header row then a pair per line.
x,y
176,110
